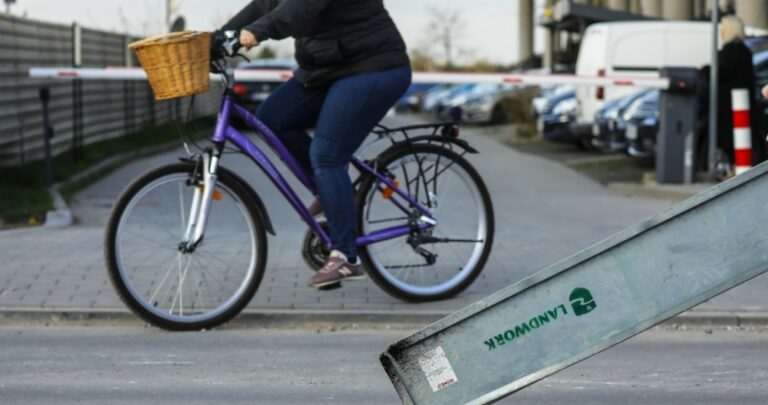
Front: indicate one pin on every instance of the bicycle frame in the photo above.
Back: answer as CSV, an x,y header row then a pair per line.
x,y
226,133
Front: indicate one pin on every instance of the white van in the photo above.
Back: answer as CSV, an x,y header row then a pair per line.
x,y
635,49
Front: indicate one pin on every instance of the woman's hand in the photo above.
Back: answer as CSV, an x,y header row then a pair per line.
x,y
247,39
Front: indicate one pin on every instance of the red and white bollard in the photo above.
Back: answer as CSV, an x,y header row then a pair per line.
x,y
742,131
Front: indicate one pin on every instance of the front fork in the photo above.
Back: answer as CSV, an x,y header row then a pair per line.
x,y
201,200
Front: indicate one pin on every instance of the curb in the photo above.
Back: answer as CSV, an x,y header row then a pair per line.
x,y
293,318
61,216
248,317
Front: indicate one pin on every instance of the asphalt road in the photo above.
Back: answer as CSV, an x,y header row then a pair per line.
x,y
243,364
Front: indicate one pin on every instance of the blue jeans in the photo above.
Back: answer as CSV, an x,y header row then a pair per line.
x,y
342,115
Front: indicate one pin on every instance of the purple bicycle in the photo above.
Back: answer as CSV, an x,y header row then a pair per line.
x,y
186,244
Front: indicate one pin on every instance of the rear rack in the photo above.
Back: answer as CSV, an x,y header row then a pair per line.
x,y
447,129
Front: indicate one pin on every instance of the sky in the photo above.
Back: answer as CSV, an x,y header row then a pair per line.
x,y
489,29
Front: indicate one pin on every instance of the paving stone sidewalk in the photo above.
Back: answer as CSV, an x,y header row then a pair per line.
x,y
544,213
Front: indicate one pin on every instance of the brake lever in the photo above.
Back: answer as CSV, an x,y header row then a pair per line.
x,y
231,46
231,43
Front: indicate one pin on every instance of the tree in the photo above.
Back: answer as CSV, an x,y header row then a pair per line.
x,y
422,61
446,28
266,52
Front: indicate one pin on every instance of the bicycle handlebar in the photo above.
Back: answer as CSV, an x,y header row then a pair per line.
x,y
231,43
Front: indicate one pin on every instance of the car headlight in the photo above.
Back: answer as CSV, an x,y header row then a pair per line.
x,y
568,106
460,100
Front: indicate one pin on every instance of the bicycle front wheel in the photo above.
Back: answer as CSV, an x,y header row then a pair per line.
x,y
167,286
438,262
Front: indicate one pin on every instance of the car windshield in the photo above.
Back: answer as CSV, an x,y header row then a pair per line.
x,y
464,88
760,62
628,100
645,106
760,58
757,44
484,88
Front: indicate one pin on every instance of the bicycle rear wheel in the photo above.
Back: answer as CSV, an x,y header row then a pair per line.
x,y
166,286
458,245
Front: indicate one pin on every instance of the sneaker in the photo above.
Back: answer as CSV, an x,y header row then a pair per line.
x,y
337,268
315,208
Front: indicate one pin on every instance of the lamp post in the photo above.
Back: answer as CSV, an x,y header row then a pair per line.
x,y
713,73
8,4
171,6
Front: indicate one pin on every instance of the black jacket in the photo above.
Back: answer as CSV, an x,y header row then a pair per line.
x,y
736,71
334,38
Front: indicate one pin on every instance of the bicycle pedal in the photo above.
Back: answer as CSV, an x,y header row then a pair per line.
x,y
329,287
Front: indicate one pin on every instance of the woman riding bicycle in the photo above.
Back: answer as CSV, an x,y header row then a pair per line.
x,y
353,67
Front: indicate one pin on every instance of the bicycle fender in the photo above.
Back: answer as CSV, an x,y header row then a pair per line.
x,y
262,208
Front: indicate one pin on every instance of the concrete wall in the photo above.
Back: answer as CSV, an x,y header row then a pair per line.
x,y
525,30
651,8
620,5
677,9
754,13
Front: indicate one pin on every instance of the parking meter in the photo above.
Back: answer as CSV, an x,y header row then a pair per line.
x,y
676,141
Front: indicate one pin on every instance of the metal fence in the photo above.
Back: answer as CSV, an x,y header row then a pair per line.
x,y
80,112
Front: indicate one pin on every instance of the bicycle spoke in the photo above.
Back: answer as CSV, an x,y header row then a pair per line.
x,y
182,208
212,274
162,228
155,241
162,282
171,209
197,288
180,289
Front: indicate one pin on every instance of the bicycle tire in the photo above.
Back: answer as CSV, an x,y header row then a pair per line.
x,y
381,275
123,283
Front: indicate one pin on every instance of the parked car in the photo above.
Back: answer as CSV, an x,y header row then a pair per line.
x,y
412,99
555,124
251,94
643,125
539,102
442,109
610,122
757,44
601,124
635,49
760,63
551,97
434,96
480,104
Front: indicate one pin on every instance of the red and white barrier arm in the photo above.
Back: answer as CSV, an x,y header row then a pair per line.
x,y
241,75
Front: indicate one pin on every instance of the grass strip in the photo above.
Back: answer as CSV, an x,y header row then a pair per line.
x,y
24,197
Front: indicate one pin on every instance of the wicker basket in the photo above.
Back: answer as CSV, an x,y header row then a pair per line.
x,y
177,64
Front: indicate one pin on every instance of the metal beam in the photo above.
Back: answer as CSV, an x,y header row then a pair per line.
x,y
591,301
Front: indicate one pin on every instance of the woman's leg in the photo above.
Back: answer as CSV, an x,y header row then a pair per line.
x,y
352,107
289,111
